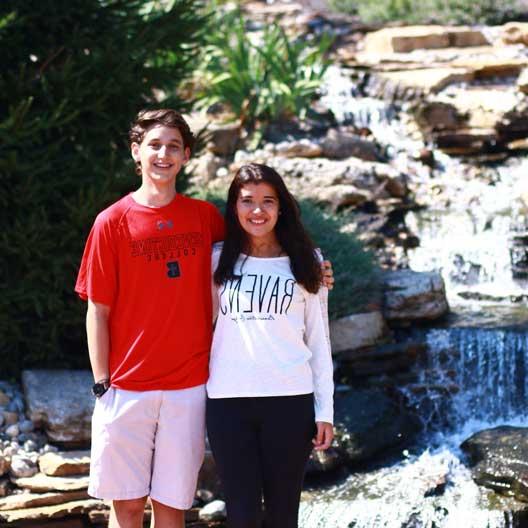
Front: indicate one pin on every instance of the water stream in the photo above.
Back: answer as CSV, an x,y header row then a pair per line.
x,y
475,373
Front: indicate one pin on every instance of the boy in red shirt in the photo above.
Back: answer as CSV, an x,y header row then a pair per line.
x,y
146,274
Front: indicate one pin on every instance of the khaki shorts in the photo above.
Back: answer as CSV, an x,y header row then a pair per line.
x,y
148,443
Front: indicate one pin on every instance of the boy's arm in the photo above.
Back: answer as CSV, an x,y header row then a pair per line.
x,y
97,331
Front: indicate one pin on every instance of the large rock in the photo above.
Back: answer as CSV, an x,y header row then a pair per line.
x,y
41,483
61,403
499,459
340,144
381,359
368,423
357,331
515,33
408,38
65,463
411,295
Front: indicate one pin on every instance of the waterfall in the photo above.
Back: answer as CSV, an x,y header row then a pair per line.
x,y
472,379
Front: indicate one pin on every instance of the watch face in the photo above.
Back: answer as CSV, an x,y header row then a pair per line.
x,y
98,389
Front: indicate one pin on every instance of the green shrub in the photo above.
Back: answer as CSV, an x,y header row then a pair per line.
x,y
431,11
74,74
357,277
261,79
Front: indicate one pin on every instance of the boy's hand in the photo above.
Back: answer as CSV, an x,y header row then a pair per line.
x,y
324,436
328,274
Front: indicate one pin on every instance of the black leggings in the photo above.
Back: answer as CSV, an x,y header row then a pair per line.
x,y
261,446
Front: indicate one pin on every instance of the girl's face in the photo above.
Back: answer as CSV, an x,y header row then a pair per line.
x,y
161,154
257,210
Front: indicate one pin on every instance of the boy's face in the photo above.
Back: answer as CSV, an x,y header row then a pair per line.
x,y
161,154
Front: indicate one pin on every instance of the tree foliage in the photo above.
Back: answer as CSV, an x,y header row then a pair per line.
x,y
74,73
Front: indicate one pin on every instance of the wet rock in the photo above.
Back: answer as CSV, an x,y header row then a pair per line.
x,y
32,500
357,331
65,420
368,423
325,461
381,359
408,38
65,463
340,144
42,483
22,467
410,295
499,459
214,511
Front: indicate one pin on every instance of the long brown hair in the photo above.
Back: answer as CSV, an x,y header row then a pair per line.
x,y
290,232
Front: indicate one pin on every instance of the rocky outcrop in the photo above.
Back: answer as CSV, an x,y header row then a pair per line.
x,y
410,295
499,460
61,403
368,423
357,331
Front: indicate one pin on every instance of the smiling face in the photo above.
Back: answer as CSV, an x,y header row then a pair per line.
x,y
257,210
161,155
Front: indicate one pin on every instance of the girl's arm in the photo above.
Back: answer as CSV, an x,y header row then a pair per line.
x,y
317,340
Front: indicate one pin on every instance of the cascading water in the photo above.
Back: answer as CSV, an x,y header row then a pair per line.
x,y
474,375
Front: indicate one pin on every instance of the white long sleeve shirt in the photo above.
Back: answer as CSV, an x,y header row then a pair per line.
x,y
270,337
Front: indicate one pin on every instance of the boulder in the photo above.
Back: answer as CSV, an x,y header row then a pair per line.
x,y
41,483
61,403
409,38
411,295
357,331
65,463
340,144
498,459
223,138
368,423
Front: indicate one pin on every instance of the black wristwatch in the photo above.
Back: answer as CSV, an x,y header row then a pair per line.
x,y
99,388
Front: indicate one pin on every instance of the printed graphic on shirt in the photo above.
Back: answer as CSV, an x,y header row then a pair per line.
x,y
167,247
256,297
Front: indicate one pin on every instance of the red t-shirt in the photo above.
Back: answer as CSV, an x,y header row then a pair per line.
x,y
152,266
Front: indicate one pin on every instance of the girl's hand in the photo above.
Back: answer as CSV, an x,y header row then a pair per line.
x,y
325,435
328,274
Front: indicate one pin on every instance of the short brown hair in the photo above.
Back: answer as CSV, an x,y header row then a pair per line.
x,y
146,119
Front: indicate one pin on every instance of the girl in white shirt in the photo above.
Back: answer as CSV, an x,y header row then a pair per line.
x,y
270,384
